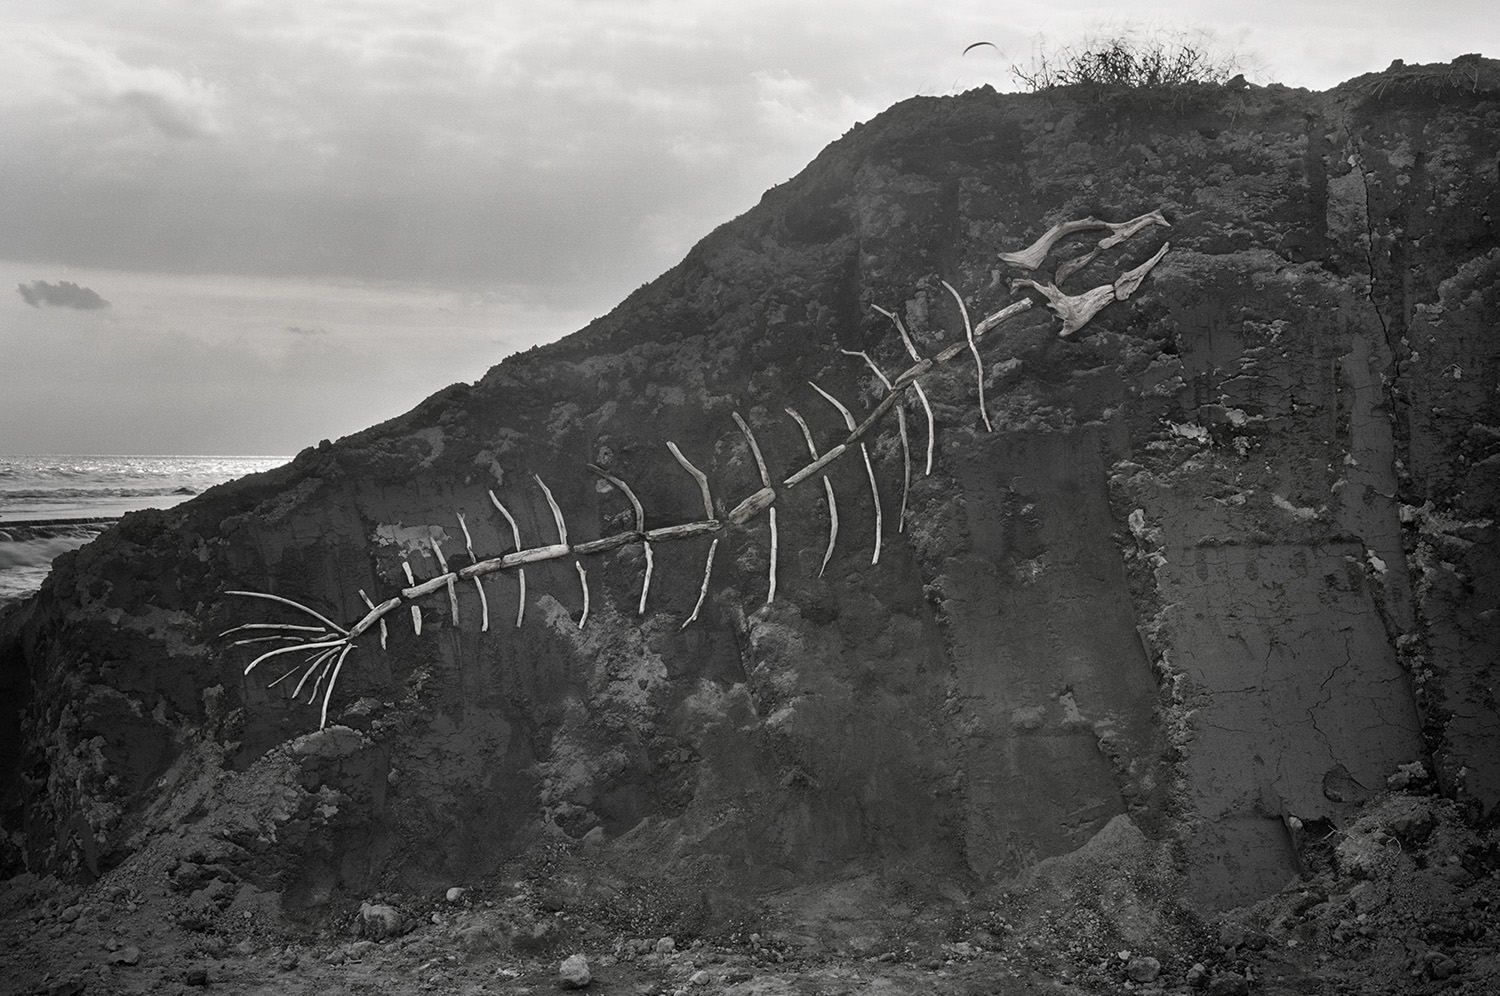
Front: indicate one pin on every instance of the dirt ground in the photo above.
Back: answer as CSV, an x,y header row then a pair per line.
x,y
1404,900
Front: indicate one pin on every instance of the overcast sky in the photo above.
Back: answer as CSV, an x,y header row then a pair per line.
x,y
303,217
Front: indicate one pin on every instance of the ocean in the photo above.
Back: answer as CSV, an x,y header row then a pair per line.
x,y
51,504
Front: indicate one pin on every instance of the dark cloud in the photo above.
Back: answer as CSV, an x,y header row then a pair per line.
x,y
63,294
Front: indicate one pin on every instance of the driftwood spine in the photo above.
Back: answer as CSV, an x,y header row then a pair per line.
x,y
331,644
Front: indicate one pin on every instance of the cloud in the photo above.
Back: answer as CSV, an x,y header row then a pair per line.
x,y
305,330
63,294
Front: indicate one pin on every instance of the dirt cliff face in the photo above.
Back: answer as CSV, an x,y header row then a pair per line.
x,y
1224,564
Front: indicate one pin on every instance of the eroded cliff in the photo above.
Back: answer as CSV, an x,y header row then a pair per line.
x,y
1225,563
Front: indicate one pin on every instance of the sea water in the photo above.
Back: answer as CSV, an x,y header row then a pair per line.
x,y
52,504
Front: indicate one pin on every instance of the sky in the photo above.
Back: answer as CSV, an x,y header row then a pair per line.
x,y
242,226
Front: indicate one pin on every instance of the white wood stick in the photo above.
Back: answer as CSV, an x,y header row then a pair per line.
x,y
319,683
286,626
905,466
640,526
371,604
708,570
698,475
323,719
287,650
646,584
282,637
515,533
468,540
760,463
771,570
583,581
833,504
484,602
449,578
869,467
484,607
296,605
416,610
911,347
931,424
974,349
557,516
284,676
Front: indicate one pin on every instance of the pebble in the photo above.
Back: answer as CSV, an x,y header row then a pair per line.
x,y
574,972
196,976
699,978
455,894
1197,976
126,956
666,946
379,920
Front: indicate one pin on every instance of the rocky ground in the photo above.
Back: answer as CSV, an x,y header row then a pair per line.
x,y
1404,900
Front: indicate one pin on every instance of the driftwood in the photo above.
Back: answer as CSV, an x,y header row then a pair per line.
x,y
328,645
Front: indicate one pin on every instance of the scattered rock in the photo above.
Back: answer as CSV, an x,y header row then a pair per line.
x,y
456,893
1197,976
378,921
196,976
699,978
666,946
574,972
1440,965
130,955
1142,968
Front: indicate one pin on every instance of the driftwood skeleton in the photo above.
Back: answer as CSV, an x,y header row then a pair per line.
x,y
328,644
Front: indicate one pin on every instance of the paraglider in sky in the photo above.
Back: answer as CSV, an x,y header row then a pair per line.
x,y
978,44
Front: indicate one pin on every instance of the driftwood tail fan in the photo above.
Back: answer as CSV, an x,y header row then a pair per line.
x,y
324,645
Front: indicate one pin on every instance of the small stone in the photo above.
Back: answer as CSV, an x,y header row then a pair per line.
x,y
699,978
126,956
1197,976
1442,966
245,948
1142,968
455,894
379,920
70,914
574,972
666,946
196,976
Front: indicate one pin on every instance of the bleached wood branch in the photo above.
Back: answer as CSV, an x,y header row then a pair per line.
x,y
869,467
698,475
484,603
640,527
963,311
833,504
515,533
708,570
